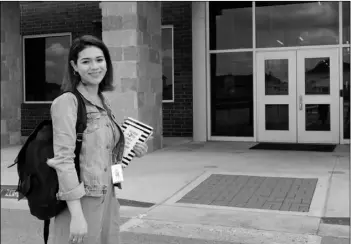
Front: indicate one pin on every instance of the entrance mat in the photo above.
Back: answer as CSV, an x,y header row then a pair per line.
x,y
295,147
243,191
9,192
336,221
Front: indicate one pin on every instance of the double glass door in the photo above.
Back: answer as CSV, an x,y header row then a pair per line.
x,y
298,96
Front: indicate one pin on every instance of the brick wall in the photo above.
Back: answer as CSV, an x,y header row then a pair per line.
x,y
57,17
178,116
11,74
79,18
85,18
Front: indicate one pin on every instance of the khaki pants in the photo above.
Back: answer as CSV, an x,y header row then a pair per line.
x,y
102,216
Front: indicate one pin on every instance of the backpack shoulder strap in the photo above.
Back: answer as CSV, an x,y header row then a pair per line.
x,y
81,125
81,116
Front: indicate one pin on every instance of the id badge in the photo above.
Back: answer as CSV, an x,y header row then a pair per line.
x,y
117,173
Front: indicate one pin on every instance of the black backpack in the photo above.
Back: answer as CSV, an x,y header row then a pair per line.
x,y
38,182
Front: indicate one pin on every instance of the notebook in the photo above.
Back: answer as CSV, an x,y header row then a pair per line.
x,y
134,131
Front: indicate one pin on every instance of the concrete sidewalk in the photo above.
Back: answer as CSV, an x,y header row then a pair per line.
x,y
166,176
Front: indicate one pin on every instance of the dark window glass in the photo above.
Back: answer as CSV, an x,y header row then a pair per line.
x,y
317,76
45,62
346,91
286,24
230,25
317,117
346,22
277,77
277,117
232,94
167,63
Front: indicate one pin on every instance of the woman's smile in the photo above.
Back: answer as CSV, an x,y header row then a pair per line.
x,y
95,74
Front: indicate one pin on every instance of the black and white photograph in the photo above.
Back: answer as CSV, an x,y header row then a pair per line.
x,y
175,122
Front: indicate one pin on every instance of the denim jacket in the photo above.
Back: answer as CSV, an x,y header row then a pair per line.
x,y
97,153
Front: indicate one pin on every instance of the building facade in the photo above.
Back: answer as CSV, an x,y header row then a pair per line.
x,y
61,22
278,72
231,71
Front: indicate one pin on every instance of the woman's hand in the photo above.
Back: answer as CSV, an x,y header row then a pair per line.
x,y
78,229
140,149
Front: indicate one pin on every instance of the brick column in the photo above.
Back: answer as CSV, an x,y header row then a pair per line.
x,y
11,74
132,32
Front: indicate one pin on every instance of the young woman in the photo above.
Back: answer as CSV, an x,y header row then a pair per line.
x,y
92,215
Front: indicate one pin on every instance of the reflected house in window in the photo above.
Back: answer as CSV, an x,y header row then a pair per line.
x,y
318,82
317,79
274,85
276,77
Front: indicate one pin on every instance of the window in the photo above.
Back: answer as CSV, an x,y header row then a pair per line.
x,y
346,91
346,22
287,24
230,25
44,65
232,94
167,64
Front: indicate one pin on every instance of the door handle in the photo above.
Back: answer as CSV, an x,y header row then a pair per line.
x,y
300,102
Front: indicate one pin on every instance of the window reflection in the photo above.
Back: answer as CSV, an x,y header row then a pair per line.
x,y
232,94
280,24
317,76
346,22
277,77
346,91
167,63
230,25
277,117
317,117
44,62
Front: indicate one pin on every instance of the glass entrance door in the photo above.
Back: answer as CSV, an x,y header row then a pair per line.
x,y
318,96
297,96
276,100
